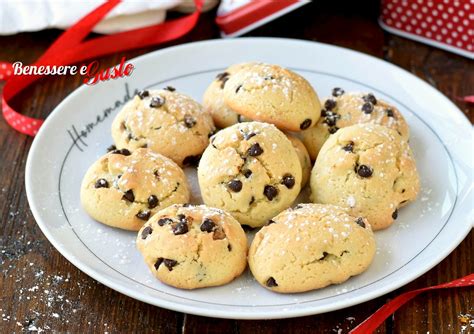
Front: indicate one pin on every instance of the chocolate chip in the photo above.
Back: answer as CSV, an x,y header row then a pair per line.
x,y
143,215
169,88
157,175
306,124
333,129
182,218
153,201
349,147
219,234
271,282
111,148
229,247
157,102
101,183
207,225
146,232
235,185
238,88
223,81
239,119
403,190
247,173
212,133
123,151
323,112
370,98
191,160
288,180
222,75
143,93
364,171
158,263
170,263
129,137
129,196
337,92
389,112
330,104
331,119
164,221
360,221
255,150
325,255
189,121
395,214
270,192
270,222
367,108
252,200
180,228
249,135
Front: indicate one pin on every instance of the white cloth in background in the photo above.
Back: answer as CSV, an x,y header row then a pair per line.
x,y
33,15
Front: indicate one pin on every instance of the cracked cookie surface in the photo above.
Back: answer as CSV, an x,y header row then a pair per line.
x,y
344,109
273,94
213,99
189,247
124,189
251,170
369,169
310,247
165,121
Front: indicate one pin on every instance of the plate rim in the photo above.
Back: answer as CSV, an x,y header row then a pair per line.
x,y
180,307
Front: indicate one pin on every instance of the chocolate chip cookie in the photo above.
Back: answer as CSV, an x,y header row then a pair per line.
x,y
191,247
344,109
369,169
251,170
124,189
165,121
310,247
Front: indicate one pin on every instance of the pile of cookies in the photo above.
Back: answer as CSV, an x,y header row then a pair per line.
x,y
272,127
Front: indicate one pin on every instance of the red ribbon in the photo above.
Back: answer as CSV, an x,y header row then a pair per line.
x,y
371,324
69,48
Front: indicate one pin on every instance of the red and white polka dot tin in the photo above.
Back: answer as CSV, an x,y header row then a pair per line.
x,y
447,24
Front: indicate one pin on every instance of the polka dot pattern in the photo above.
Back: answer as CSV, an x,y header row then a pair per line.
x,y
19,122
449,22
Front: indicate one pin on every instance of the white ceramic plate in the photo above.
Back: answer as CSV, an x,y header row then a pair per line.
x,y
425,232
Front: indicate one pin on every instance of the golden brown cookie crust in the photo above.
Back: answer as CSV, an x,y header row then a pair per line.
x,y
124,189
368,168
191,247
310,247
250,170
